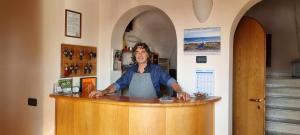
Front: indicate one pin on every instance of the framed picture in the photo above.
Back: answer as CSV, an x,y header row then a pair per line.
x,y
117,60
87,85
202,40
72,24
65,85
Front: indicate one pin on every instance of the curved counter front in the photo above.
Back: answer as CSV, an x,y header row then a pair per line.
x,y
115,115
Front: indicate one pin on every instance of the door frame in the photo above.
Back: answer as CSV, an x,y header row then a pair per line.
x,y
234,26
262,102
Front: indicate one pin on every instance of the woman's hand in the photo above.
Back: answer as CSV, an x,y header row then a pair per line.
x,y
96,94
183,95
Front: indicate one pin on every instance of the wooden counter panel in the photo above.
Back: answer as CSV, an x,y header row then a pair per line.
x,y
64,118
147,121
190,120
89,117
114,120
85,116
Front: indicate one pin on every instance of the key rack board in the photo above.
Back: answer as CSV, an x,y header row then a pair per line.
x,y
78,60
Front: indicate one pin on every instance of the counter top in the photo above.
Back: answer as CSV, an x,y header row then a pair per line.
x,y
123,100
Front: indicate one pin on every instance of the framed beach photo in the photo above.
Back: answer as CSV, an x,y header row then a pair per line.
x,y
72,24
87,85
202,40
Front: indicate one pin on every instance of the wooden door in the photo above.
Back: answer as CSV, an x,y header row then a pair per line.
x,y
249,78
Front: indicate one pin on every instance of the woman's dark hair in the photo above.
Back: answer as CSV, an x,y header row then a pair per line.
x,y
142,46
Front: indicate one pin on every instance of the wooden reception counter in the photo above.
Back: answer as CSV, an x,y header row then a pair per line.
x,y
115,115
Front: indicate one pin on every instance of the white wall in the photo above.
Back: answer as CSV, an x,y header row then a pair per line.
x,y
35,30
31,34
157,30
53,36
278,17
21,68
225,14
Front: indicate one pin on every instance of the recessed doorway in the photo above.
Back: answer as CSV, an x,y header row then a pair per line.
x,y
280,20
149,25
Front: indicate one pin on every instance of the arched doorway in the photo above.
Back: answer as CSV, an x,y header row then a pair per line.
x,y
233,30
282,92
249,78
282,89
152,26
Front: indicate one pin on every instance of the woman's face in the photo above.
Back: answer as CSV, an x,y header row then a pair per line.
x,y
141,55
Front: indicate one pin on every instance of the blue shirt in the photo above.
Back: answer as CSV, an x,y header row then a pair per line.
x,y
158,76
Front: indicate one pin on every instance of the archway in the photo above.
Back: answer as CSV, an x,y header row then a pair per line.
x,y
282,26
234,25
282,93
162,39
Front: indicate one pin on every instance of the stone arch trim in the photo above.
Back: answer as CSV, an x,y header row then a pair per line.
x,y
126,17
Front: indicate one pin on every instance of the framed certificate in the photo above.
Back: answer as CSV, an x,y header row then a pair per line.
x,y
72,24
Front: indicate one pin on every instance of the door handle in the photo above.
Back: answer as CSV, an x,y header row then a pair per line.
x,y
255,100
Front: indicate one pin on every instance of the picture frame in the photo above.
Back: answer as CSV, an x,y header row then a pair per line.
x,y
202,40
72,24
65,85
117,60
87,85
